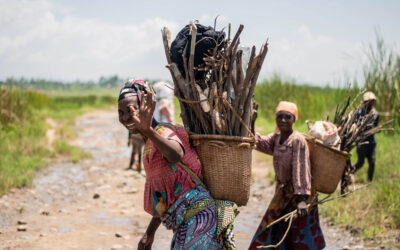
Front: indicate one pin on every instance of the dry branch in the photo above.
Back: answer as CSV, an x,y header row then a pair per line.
x,y
216,96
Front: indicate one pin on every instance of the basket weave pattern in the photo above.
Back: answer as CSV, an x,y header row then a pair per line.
x,y
226,168
327,165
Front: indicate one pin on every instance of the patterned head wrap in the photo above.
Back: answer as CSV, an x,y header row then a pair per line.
x,y
133,87
289,107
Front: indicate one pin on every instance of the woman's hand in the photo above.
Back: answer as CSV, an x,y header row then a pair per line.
x,y
147,239
302,209
145,242
144,117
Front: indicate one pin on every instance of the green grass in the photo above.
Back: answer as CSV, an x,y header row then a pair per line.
x,y
24,151
23,143
376,209
61,147
313,103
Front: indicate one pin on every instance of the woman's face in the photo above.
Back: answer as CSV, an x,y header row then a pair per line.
x,y
125,115
284,121
369,104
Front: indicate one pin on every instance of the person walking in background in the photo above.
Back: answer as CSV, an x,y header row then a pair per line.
x,y
137,143
367,146
293,189
164,111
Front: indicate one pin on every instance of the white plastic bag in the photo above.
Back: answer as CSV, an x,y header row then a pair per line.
x,y
326,132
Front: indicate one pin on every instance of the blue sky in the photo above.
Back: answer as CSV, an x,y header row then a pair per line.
x,y
317,42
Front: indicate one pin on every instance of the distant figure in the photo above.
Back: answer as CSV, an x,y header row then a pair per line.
x,y
137,142
164,112
367,147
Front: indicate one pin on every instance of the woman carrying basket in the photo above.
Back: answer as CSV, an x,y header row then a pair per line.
x,y
172,194
293,190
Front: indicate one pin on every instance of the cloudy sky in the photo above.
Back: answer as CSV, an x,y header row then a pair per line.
x,y
314,41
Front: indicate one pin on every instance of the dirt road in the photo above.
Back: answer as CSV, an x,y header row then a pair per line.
x,y
96,204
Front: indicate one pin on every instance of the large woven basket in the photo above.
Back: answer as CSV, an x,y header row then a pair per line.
x,y
327,165
226,162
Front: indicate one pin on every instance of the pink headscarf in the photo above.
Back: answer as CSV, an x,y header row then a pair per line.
x,y
134,87
289,107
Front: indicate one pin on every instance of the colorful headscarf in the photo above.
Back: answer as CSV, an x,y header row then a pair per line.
x,y
289,107
133,87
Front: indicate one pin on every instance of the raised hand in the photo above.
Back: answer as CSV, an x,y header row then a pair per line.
x,y
302,208
144,117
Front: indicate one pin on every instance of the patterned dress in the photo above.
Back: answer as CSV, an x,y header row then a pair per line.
x,y
165,181
293,175
172,194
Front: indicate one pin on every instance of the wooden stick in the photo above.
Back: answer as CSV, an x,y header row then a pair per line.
x,y
236,37
211,98
239,72
166,35
238,117
248,101
185,65
239,79
229,31
180,82
193,32
243,84
245,91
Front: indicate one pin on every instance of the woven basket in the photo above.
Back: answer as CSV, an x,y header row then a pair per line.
x,y
327,165
226,162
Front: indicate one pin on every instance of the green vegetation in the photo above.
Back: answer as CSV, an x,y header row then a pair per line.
x,y
23,144
314,103
382,76
375,209
22,140
58,87
62,147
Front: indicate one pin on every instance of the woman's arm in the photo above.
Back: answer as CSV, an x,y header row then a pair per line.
x,y
170,149
301,167
143,119
301,174
147,240
265,143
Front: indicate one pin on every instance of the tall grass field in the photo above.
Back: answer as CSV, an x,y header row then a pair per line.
x,y
23,144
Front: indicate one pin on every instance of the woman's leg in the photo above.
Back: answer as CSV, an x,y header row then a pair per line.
x,y
371,161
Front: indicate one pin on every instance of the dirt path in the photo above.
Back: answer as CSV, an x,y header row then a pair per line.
x,y
96,204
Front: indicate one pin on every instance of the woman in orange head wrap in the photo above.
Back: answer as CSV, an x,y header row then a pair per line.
x,y
293,190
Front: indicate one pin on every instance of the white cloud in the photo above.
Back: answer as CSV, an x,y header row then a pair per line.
x,y
41,39
34,41
312,58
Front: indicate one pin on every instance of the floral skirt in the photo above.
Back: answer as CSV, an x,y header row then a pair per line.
x,y
305,232
194,221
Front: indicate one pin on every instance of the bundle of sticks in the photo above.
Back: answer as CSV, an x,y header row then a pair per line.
x,y
221,102
353,128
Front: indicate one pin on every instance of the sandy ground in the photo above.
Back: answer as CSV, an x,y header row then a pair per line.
x,y
96,204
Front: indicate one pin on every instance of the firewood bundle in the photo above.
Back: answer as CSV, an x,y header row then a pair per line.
x,y
221,102
353,129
